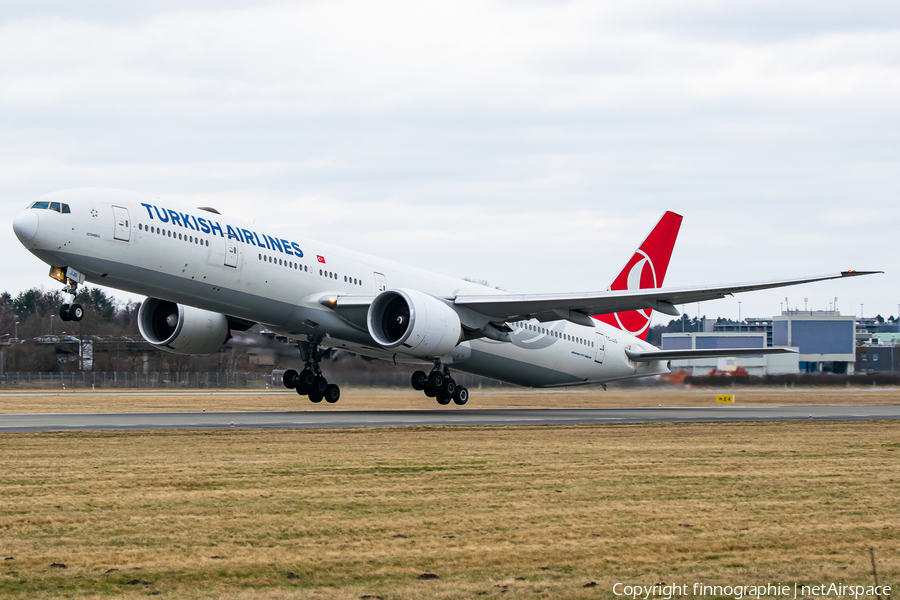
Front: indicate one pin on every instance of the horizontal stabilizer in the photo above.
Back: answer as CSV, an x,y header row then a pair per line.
x,y
651,355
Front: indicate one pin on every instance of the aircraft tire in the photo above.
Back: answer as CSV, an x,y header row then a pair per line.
x,y
461,395
305,382
332,393
448,389
64,312
319,385
419,380
76,312
315,397
435,380
430,391
443,400
290,379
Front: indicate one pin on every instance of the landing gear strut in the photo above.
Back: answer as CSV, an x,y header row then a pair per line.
x,y
310,381
439,384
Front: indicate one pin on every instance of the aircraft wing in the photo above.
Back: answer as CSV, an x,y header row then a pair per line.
x,y
648,356
578,307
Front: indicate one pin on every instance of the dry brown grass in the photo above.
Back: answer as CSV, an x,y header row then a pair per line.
x,y
558,507
392,399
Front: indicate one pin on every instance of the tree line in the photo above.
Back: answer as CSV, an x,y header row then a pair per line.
x,y
34,313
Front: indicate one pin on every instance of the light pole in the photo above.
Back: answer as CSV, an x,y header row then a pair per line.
x,y
51,324
739,317
17,329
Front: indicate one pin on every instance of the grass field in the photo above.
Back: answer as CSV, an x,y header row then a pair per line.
x,y
408,399
524,512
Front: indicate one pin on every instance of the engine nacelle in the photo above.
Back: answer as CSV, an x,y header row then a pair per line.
x,y
182,329
413,323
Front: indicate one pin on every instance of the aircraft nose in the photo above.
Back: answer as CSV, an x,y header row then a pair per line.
x,y
26,225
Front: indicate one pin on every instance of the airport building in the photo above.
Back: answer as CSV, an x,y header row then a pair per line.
x,y
826,339
771,364
826,342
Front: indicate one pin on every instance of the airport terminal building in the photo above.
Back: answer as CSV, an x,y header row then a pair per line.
x,y
825,340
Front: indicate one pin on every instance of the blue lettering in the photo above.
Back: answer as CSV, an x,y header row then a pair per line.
x,y
258,243
176,219
187,220
297,250
248,237
216,227
287,246
204,227
274,243
197,227
149,212
231,233
162,214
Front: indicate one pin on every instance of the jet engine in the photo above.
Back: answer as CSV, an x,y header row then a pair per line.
x,y
182,329
413,323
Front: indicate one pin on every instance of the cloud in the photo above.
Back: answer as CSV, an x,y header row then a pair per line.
x,y
533,142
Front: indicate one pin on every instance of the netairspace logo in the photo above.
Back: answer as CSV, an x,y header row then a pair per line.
x,y
739,592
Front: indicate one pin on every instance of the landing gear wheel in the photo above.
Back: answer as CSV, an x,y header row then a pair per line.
x,y
64,312
430,392
76,312
461,395
319,385
448,389
443,400
332,393
290,379
315,396
305,381
435,380
419,380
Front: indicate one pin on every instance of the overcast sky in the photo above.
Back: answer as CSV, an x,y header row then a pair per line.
x,y
532,144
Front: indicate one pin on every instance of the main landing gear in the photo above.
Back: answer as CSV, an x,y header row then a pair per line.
x,y
438,384
310,381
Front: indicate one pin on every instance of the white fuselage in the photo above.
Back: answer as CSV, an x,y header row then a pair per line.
x,y
199,258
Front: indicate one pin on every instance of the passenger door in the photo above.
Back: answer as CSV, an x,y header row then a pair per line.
x,y
381,282
123,224
231,252
601,348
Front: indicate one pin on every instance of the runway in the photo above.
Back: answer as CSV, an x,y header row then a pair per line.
x,y
341,419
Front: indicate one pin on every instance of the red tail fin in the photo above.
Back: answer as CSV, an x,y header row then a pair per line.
x,y
646,270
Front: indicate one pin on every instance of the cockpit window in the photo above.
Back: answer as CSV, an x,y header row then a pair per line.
x,y
57,206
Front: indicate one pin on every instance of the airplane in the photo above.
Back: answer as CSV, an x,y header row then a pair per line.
x,y
205,275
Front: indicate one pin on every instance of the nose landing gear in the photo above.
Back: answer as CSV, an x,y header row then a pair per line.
x,y
310,381
71,312
440,385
